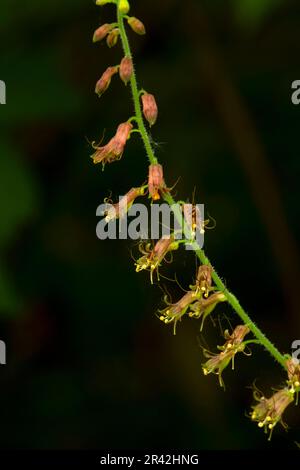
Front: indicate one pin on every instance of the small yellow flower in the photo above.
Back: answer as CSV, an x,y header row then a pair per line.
x,y
203,307
174,312
204,280
234,344
268,412
152,258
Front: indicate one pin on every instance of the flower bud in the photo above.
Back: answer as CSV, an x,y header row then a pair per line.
x,y
126,69
104,82
101,32
104,2
137,26
149,108
124,6
112,38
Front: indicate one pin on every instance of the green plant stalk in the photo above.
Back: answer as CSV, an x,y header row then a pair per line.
x,y
232,300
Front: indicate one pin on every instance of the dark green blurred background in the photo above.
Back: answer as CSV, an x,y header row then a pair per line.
x,y
88,363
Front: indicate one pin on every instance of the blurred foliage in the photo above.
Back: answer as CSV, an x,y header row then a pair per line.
x,y
37,90
9,297
18,193
18,203
13,14
251,13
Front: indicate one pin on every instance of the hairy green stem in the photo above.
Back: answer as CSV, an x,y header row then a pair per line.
x,y
232,300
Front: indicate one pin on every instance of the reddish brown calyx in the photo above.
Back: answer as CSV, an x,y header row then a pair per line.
x,y
104,81
156,183
126,69
136,25
102,32
150,109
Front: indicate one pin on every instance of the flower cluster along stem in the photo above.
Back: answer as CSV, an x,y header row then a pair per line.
x,y
232,300
135,92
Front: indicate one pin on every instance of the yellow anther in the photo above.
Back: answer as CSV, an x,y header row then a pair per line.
x,y
140,267
271,425
261,424
268,418
297,384
205,371
162,318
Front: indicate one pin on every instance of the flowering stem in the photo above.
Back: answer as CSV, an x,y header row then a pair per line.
x,y
135,92
232,300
